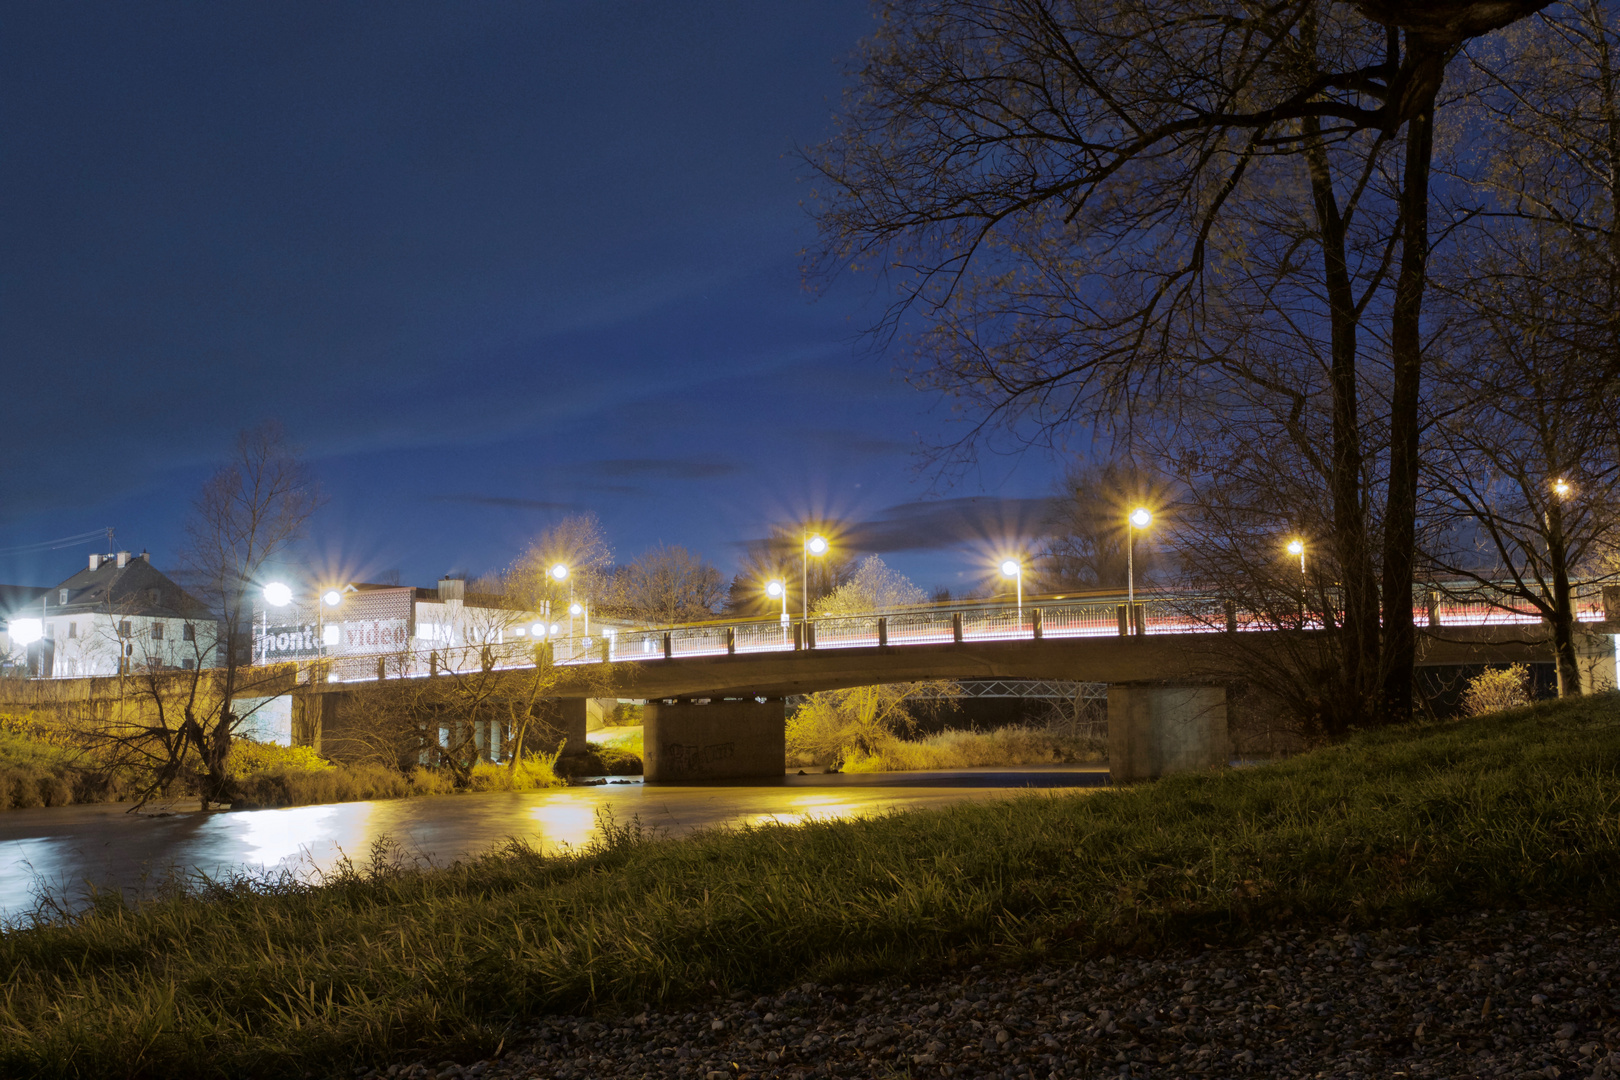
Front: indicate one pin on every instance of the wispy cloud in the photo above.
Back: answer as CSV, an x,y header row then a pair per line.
x,y
659,469
509,503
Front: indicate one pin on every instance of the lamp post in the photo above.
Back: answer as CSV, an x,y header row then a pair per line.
x,y
813,545
777,589
559,572
1014,569
1140,518
330,598
275,595
1296,546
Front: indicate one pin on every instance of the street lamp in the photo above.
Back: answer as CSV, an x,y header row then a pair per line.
x,y
275,595
1561,488
813,545
1297,547
774,590
1140,518
1014,569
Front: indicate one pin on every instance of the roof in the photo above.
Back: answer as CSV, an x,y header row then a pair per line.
x,y
138,588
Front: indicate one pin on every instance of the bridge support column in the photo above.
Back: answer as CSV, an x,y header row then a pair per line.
x,y
1154,731
722,740
1596,656
573,718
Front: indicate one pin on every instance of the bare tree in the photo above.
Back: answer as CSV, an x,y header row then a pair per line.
x,y
1089,527
576,543
1048,182
252,511
1524,483
668,584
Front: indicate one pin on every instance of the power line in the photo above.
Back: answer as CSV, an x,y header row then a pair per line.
x,y
76,540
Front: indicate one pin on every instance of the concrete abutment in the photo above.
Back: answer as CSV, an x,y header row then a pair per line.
x,y
1155,730
690,741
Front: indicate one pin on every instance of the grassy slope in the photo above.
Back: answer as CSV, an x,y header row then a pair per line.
x,y
1519,806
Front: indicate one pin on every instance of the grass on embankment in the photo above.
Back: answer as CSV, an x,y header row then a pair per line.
x,y
1015,745
40,766
273,980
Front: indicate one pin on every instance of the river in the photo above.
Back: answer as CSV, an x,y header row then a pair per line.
x,y
62,849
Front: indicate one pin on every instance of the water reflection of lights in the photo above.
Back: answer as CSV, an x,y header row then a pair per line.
x,y
565,820
803,809
277,838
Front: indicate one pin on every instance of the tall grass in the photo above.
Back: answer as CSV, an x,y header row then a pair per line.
x,y
1015,745
272,978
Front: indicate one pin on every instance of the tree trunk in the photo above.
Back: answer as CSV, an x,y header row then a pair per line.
x,y
1406,355
1562,620
1358,654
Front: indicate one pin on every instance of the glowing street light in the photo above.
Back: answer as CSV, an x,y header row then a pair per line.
x,y
277,595
560,572
332,598
813,545
1297,547
26,631
1561,488
778,590
1014,569
1140,518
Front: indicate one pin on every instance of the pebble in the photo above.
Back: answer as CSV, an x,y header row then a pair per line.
x,y
1489,994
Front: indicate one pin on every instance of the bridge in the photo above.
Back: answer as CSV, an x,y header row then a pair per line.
x,y
715,691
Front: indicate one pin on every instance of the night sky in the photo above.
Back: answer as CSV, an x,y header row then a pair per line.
x,y
489,263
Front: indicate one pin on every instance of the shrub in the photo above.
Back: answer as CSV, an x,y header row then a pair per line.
x,y
1496,689
248,757
1015,745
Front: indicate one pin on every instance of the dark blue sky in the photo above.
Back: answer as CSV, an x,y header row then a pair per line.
x,y
489,263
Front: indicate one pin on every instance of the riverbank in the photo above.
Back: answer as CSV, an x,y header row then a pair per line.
x,y
271,978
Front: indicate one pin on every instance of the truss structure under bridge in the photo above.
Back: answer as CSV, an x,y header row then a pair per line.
x,y
1036,689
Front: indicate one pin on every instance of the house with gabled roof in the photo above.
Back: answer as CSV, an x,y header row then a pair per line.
x,y
121,614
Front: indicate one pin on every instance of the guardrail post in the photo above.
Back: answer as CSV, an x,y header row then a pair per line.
x,y
1231,616
809,635
433,663
1611,603
1434,610
883,631
798,636
1141,619
1035,622
607,649
956,627
731,641
1124,620
382,669
669,647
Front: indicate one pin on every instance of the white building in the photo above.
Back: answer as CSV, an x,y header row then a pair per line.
x,y
118,615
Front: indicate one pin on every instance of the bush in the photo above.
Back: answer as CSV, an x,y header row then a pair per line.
x,y
1496,689
1015,745
248,757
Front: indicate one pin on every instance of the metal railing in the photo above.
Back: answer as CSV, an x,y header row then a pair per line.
x,y
975,622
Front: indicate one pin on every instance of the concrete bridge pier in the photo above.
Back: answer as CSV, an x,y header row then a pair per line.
x,y
1154,731
689,741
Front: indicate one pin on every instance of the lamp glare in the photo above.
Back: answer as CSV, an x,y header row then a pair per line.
x,y
277,595
1141,518
1010,568
559,571
818,546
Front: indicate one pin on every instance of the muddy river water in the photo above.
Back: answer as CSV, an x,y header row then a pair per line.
x,y
62,849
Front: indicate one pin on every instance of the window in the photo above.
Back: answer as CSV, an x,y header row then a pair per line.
x,y
123,628
73,629
61,596
188,664
157,631
188,633
154,595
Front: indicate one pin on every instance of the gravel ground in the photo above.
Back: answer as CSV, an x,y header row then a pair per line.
x,y
1523,994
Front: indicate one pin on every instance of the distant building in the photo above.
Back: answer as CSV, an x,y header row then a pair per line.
x,y
119,614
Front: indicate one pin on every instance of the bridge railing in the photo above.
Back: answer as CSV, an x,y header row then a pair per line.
x,y
978,622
